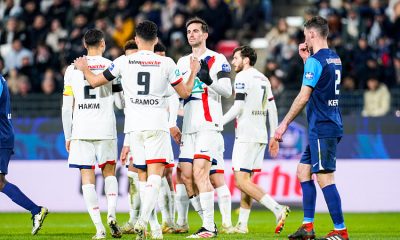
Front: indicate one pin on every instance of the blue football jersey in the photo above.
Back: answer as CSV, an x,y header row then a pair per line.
x,y
322,72
6,128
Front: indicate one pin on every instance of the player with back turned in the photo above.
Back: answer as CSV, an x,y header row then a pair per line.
x,y
320,92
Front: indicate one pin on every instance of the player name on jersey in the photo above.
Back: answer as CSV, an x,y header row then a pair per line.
x,y
88,106
141,101
259,113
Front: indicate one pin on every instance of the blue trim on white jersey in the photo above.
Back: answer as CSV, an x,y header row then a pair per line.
x,y
189,160
80,166
312,72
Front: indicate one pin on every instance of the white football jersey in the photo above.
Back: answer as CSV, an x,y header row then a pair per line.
x,y
145,77
251,123
93,113
203,109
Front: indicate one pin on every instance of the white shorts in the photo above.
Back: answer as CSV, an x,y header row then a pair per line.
x,y
248,156
84,154
207,145
150,146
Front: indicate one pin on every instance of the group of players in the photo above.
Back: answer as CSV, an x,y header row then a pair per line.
x,y
148,86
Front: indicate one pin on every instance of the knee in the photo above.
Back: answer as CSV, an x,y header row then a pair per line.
x,y
186,178
198,174
325,179
303,173
239,182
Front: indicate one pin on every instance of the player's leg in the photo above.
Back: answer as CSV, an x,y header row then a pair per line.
x,y
164,202
306,230
325,168
133,197
106,153
246,202
182,204
16,195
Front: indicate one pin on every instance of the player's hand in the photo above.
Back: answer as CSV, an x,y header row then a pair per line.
x,y
280,131
194,64
67,145
176,134
124,154
204,73
81,63
273,148
304,52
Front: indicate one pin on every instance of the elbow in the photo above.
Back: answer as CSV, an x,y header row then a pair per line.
x,y
227,93
185,94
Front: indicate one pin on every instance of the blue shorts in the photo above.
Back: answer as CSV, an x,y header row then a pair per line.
x,y
5,155
321,154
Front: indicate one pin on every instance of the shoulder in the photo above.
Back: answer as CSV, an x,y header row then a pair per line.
x,y
70,69
183,59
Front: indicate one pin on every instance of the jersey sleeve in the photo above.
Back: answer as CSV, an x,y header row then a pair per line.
x,y
174,74
67,82
114,70
240,84
312,72
223,68
270,95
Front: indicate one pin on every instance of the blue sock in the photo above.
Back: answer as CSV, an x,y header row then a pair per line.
x,y
332,199
309,199
17,196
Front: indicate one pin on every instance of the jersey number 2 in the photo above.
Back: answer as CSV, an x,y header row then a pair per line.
x,y
337,81
87,94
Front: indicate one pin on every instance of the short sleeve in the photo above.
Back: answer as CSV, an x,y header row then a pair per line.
x,y
223,68
114,70
312,72
67,81
240,84
174,74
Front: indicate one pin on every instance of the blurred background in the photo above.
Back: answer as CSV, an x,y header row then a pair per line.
x,y
39,39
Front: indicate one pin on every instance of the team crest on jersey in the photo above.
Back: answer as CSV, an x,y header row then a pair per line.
x,y
309,75
239,85
111,67
197,86
226,67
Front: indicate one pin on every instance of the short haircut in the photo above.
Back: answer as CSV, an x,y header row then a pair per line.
x,y
246,51
204,26
147,30
159,47
130,45
320,24
93,37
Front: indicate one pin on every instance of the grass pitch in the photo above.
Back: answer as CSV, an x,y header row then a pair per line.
x,y
261,226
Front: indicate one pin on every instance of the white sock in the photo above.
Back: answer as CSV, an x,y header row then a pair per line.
x,y
142,190
195,200
225,204
244,214
150,196
207,204
92,204
111,190
182,204
163,201
153,221
133,197
171,202
268,202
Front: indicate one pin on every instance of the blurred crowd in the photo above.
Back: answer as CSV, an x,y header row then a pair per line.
x,y
40,38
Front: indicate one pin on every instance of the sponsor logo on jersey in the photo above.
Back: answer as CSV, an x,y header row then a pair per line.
x,y
197,86
149,102
239,85
84,106
98,67
335,61
145,63
309,75
177,73
226,67
111,67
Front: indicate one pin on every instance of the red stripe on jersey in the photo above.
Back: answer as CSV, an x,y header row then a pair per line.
x,y
170,165
111,162
210,62
202,156
177,82
206,108
219,171
159,160
256,170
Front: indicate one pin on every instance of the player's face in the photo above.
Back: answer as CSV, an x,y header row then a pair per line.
x,y
308,36
195,35
237,62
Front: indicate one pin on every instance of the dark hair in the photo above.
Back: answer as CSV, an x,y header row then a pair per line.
x,y
204,26
147,30
93,37
159,47
130,45
246,51
320,24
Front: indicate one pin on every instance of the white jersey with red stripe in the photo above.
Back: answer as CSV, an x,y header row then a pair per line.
x,y
93,112
251,121
203,109
145,77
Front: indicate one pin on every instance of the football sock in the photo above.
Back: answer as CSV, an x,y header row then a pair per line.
x,y
150,196
17,196
207,204
195,200
172,206
182,204
92,204
268,202
309,200
332,199
133,197
111,190
244,214
153,221
225,204
163,201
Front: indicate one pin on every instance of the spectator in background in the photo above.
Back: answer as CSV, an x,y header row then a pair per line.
x,y
218,17
278,36
168,12
58,10
396,61
56,33
14,57
362,61
195,8
74,46
37,32
376,99
178,27
12,31
24,86
350,29
123,30
280,95
3,70
102,24
48,85
8,8
30,11
245,17
178,47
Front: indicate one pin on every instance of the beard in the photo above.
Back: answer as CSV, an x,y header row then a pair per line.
x,y
239,68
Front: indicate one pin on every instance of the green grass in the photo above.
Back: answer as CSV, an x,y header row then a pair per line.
x,y
261,226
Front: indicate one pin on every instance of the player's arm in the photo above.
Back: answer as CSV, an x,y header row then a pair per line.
x,y
125,150
94,80
312,73
67,109
173,107
273,145
184,89
223,84
118,94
